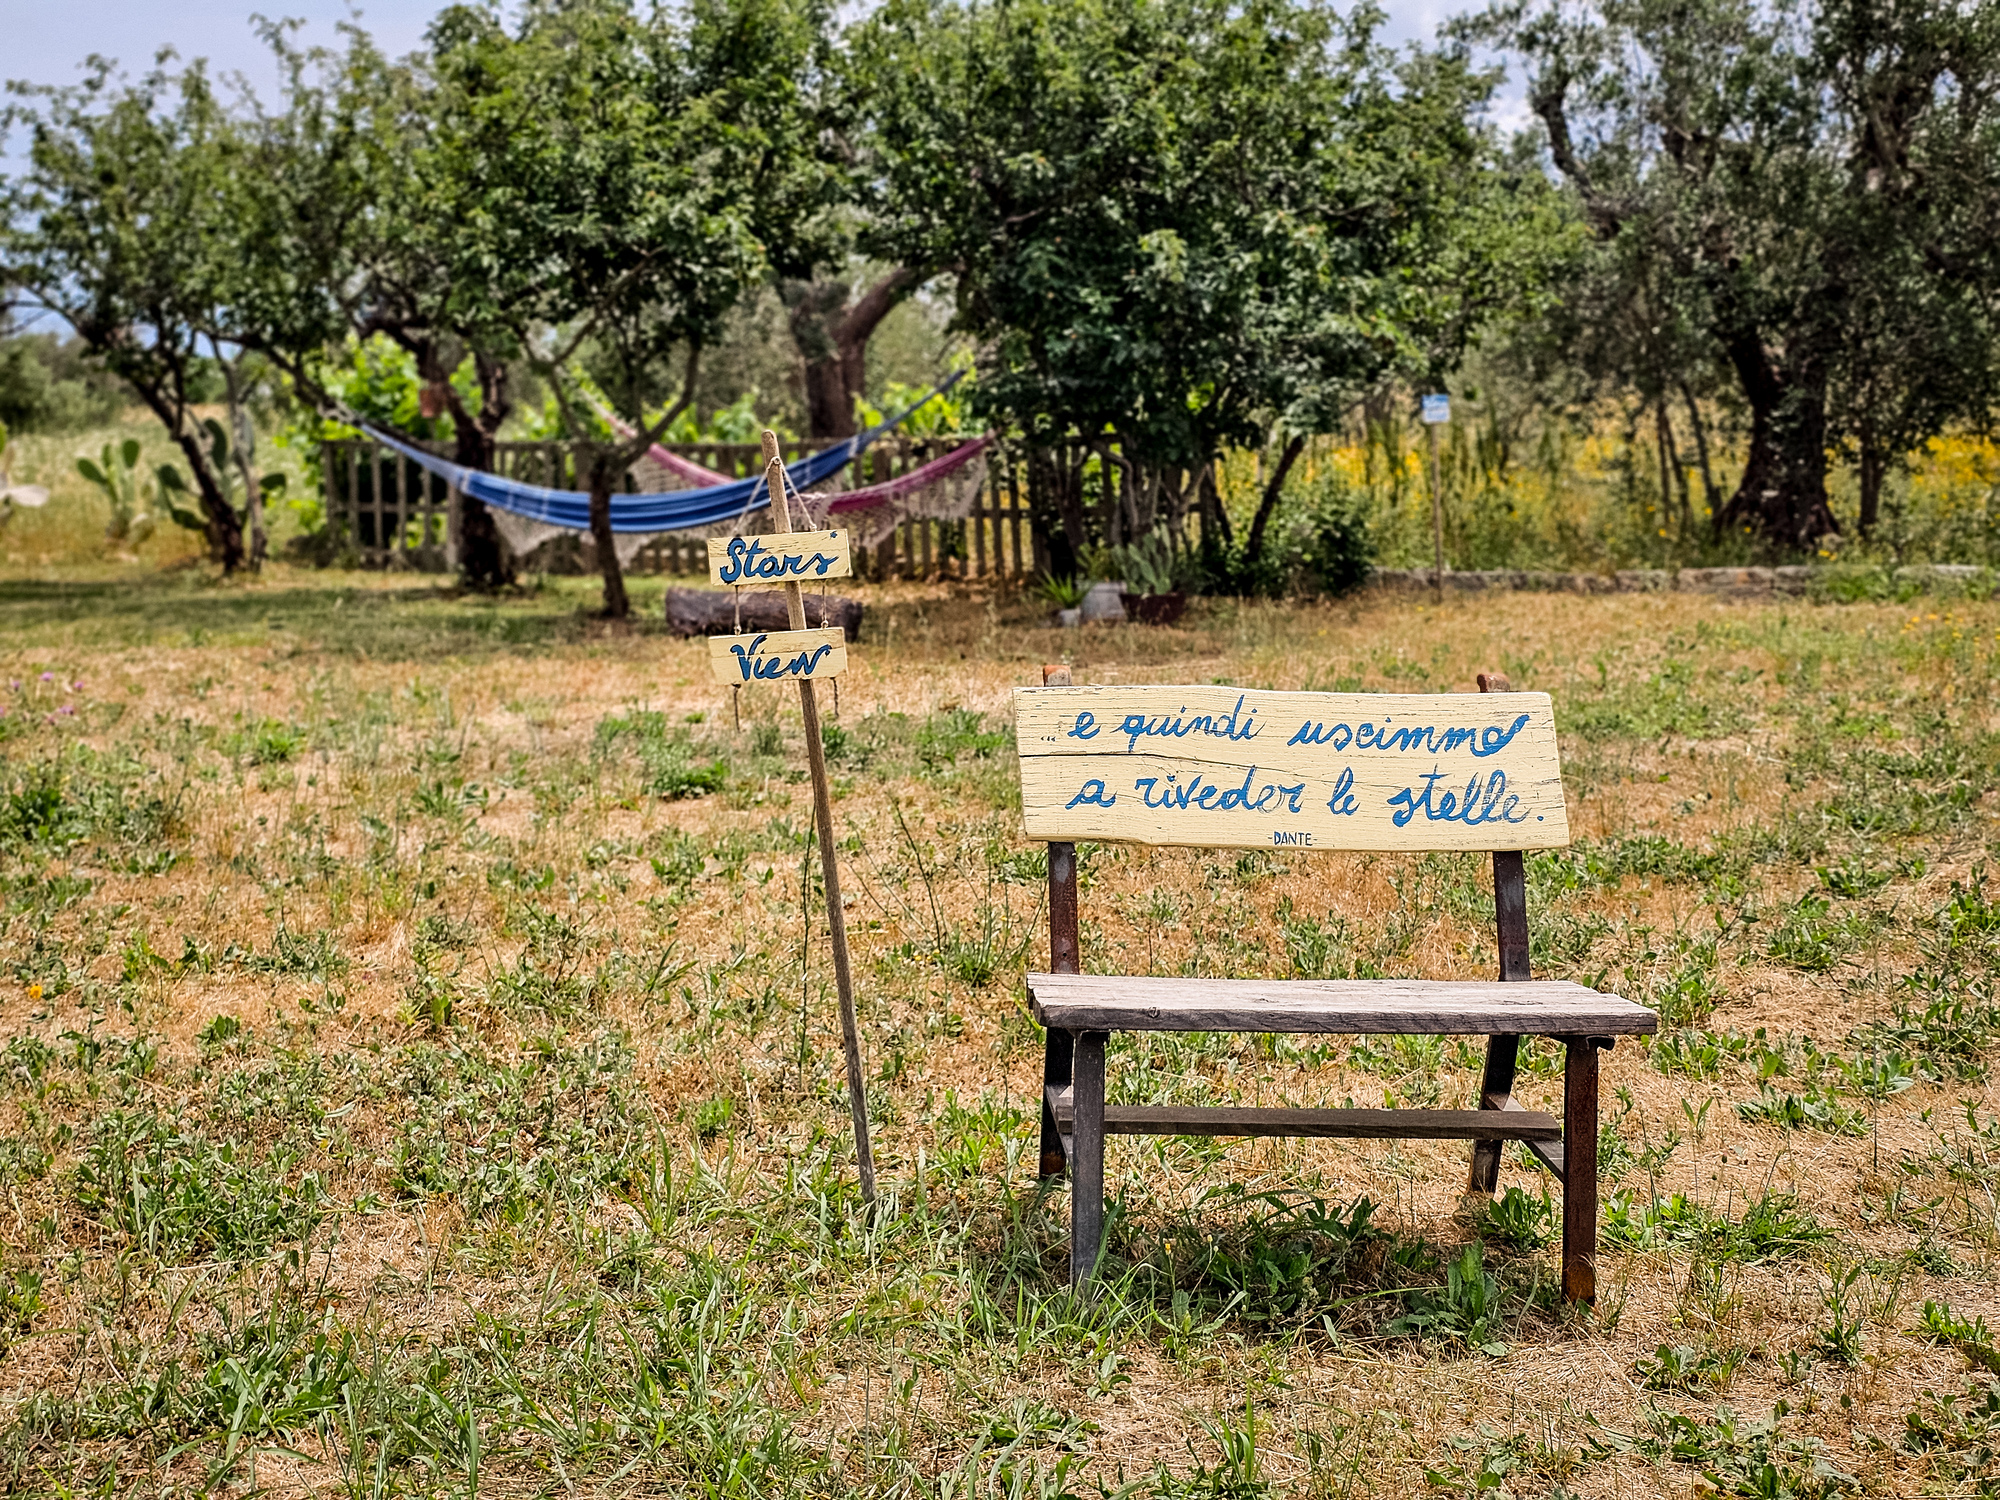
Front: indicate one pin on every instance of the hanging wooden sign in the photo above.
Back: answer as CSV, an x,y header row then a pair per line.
x,y
802,656
778,655
1217,766
782,558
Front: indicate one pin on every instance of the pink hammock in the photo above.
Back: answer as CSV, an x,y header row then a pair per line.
x,y
889,491
948,482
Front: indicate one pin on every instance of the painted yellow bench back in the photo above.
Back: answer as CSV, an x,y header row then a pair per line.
x,y
1224,767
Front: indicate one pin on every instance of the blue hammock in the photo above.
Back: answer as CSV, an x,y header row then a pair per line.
x,y
669,510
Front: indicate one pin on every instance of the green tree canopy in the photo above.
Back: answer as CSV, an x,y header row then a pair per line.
x,y
590,143
1190,222
570,186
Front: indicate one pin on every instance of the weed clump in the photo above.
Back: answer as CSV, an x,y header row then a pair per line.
x,y
178,1195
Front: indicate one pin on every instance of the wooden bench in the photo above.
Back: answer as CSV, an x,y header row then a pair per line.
x,y
1226,768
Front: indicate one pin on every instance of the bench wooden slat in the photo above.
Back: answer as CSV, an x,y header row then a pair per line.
x,y
1538,1007
1550,1153
1347,1124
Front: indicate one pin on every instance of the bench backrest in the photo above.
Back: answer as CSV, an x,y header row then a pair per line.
x,y
1225,767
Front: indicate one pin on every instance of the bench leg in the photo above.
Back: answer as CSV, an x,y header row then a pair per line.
x,y
1580,1169
1495,1082
1056,1055
1086,1168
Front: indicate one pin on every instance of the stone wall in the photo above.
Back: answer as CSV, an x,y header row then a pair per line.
x,y
1720,583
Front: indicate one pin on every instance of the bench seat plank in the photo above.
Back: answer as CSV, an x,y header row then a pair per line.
x,y
1516,1124
1537,1007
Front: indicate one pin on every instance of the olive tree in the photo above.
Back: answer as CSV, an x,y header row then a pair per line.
x,y
1805,189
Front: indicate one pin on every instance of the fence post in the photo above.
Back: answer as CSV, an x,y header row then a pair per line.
x,y
327,453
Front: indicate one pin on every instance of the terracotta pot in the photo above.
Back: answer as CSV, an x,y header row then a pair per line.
x,y
1155,609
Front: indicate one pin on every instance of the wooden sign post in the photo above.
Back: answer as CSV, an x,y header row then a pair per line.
x,y
803,656
1437,412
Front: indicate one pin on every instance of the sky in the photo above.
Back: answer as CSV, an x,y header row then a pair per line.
x,y
44,41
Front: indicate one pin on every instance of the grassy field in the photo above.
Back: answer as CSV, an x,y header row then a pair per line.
x,y
421,1076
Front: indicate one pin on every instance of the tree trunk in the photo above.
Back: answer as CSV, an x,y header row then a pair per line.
x,y
1211,496
1055,509
1672,470
1874,467
225,531
832,340
1253,548
604,468
225,534
243,441
829,407
1711,496
1217,539
1783,493
483,563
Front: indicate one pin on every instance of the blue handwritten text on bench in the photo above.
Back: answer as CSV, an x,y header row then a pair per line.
x,y
1342,804
1092,794
1213,797
1482,804
1234,725
1428,738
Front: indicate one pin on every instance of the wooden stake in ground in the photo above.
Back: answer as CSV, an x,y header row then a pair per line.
x,y
1437,412
836,920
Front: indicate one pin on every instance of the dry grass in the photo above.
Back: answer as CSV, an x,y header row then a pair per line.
x,y
526,1169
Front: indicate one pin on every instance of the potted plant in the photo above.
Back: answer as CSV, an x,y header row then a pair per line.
x,y
1105,591
1148,566
1066,594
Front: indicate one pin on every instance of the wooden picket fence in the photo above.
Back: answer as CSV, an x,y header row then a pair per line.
x,y
393,514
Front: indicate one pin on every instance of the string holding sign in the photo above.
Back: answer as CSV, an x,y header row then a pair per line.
x,y
802,656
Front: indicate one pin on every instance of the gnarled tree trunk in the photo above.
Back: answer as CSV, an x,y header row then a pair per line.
x,y
1055,509
832,340
1783,493
225,531
1874,467
606,466
483,562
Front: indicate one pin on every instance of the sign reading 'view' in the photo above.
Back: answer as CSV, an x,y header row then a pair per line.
x,y
1217,766
778,655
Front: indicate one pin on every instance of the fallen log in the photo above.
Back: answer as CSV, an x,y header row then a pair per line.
x,y
711,612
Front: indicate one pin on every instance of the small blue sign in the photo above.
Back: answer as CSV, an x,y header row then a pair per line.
x,y
1437,410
